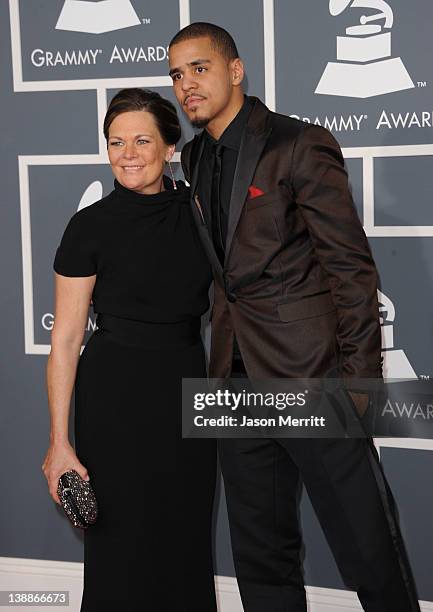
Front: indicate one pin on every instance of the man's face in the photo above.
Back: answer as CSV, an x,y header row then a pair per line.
x,y
202,80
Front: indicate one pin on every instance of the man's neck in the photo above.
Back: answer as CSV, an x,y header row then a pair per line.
x,y
218,125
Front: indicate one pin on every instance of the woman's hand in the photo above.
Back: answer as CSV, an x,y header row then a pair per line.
x,y
59,459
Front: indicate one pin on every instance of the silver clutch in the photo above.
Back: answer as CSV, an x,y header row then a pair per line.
x,y
78,499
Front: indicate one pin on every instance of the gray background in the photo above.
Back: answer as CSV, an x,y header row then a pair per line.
x,y
65,122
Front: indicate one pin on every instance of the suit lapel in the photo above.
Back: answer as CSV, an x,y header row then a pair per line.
x,y
198,208
195,160
253,142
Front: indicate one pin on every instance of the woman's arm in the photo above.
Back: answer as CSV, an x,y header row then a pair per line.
x,y
73,295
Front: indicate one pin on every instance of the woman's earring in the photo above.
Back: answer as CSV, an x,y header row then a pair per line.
x,y
172,175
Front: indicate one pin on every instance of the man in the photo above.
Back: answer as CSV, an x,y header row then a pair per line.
x,y
295,296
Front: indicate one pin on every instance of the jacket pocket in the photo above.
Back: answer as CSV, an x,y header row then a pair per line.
x,y
306,308
279,193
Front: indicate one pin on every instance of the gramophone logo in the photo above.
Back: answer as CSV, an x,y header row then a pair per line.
x,y
395,362
97,17
92,194
365,66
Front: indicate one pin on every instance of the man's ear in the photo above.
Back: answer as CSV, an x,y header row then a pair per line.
x,y
237,70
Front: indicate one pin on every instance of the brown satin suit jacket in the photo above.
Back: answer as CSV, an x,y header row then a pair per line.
x,y
298,284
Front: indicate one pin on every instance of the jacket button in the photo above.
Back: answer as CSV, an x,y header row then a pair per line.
x,y
231,297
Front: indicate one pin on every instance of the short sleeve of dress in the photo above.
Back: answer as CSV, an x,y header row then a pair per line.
x,y
76,255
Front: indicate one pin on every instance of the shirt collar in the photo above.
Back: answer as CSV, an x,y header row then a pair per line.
x,y
232,135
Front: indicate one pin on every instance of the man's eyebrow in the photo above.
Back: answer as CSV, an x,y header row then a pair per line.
x,y
196,62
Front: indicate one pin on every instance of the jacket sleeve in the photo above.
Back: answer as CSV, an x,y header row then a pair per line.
x,y
320,184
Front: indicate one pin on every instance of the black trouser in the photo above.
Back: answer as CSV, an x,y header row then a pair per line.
x,y
353,503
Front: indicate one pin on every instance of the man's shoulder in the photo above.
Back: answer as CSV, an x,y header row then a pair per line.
x,y
186,155
292,128
287,125
189,146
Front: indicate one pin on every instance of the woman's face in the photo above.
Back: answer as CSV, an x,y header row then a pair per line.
x,y
137,152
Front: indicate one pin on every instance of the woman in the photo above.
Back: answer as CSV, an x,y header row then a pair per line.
x,y
137,256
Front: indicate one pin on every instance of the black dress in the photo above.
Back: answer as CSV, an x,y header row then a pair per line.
x,y
150,548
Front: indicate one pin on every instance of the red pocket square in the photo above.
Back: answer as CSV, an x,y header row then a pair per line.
x,y
254,192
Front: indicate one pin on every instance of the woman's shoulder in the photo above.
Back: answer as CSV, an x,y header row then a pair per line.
x,y
90,214
83,226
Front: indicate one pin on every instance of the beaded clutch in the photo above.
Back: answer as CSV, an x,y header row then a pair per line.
x,y
78,499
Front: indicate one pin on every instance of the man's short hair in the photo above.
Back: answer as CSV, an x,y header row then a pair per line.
x,y
221,40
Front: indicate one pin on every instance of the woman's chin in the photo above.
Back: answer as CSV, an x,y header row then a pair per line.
x,y
132,181
139,184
